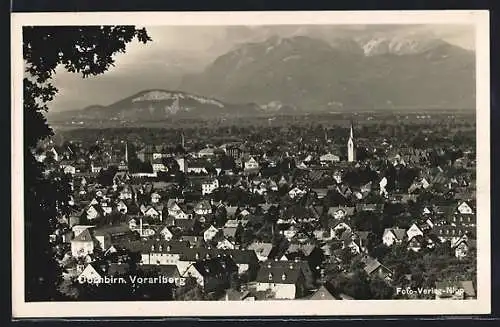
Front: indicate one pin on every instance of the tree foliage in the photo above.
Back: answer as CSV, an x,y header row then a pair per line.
x,y
86,50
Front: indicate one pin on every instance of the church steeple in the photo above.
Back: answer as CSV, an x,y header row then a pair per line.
x,y
182,140
126,152
351,148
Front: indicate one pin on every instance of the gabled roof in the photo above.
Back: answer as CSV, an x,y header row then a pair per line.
x,y
279,273
306,249
84,236
215,266
263,249
322,294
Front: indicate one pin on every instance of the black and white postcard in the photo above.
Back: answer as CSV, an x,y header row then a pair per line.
x,y
292,163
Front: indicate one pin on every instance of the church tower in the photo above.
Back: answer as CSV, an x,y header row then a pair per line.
x,y
351,147
126,152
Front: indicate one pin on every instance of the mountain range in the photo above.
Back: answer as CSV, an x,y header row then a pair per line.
x,y
308,74
158,104
314,74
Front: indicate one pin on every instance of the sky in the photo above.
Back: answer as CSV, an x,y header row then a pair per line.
x,y
179,50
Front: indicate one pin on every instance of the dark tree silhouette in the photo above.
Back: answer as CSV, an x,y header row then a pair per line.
x,y
87,50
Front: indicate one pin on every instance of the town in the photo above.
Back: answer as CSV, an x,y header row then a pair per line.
x,y
310,208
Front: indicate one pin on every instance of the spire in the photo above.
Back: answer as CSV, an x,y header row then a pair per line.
x,y
182,140
351,148
126,152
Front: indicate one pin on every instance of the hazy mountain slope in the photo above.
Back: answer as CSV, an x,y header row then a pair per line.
x,y
158,104
319,75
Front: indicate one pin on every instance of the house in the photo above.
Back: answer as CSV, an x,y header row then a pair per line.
x,y
106,234
226,244
203,208
455,290
413,231
340,212
212,274
463,247
374,268
121,207
261,249
427,210
209,186
290,232
155,197
296,192
451,233
68,169
416,243
177,211
285,281
166,233
126,193
338,228
251,164
307,252
464,220
350,241
393,235
158,165
206,152
322,294
465,209
329,158
158,252
94,212
82,244
210,233
155,212
231,227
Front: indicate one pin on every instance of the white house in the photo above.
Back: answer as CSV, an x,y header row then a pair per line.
x,y
393,235
166,233
413,231
329,158
155,198
121,207
261,250
69,169
282,279
226,244
210,233
82,244
464,209
159,166
153,212
93,212
209,187
296,192
203,208
251,164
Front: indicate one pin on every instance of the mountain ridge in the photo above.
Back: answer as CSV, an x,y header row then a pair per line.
x,y
307,72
